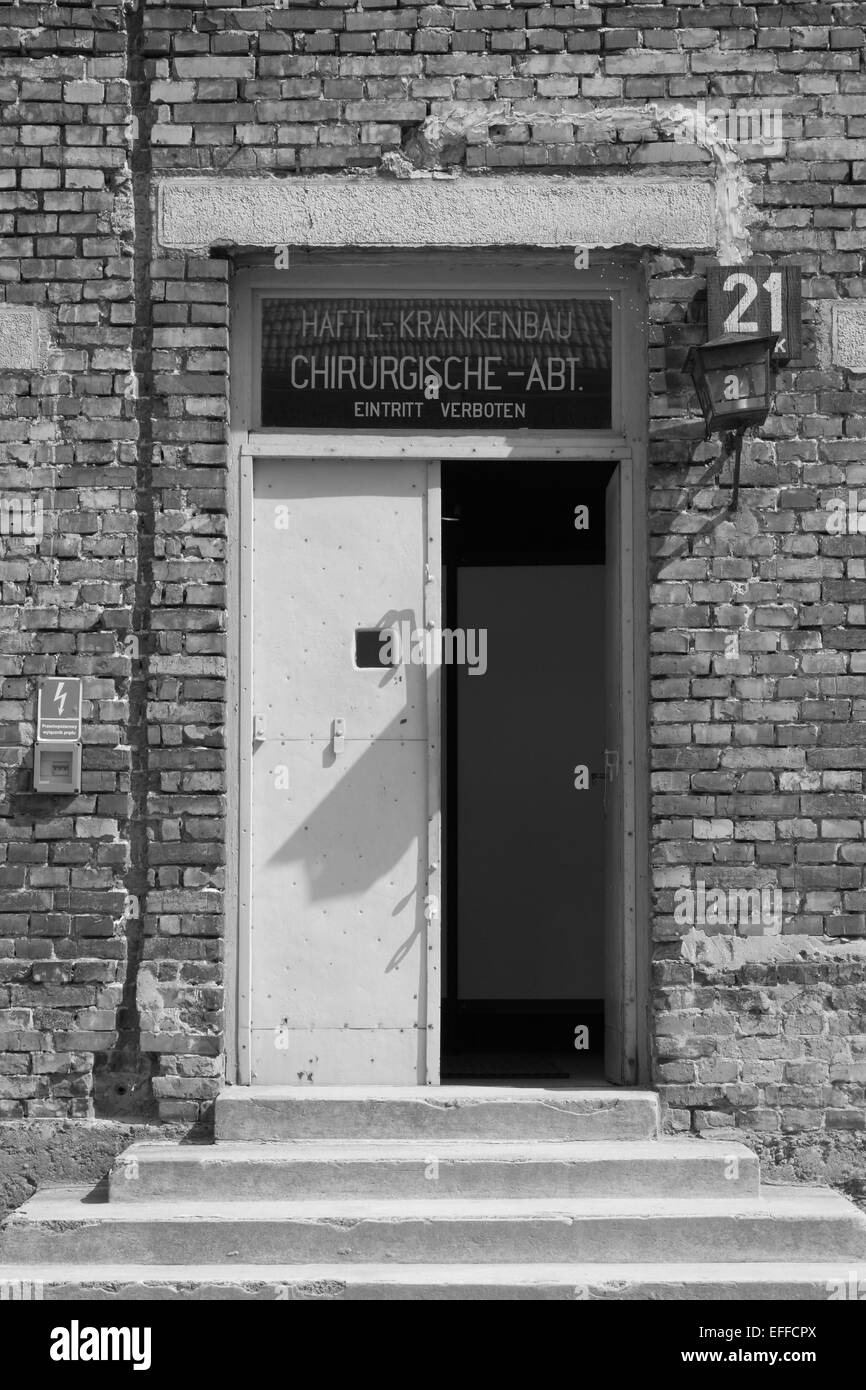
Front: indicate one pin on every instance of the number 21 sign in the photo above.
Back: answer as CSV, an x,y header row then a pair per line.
x,y
756,298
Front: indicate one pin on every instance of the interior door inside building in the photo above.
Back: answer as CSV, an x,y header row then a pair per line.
x,y
531,782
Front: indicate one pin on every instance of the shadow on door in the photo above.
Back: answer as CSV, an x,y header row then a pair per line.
x,y
525,779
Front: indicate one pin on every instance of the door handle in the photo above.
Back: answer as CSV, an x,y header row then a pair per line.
x,y
338,736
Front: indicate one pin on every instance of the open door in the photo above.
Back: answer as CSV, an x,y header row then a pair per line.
x,y
620,1016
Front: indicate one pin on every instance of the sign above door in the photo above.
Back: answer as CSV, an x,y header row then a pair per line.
x,y
450,364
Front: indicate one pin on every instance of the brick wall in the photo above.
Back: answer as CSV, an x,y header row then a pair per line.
x,y
758,659
110,905
68,433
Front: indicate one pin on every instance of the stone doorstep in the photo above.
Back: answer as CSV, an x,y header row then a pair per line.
x,y
214,1221
231,1171
459,1112
805,1224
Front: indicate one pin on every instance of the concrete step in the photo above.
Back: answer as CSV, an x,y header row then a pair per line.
x,y
276,1171
268,1113
783,1224
360,1282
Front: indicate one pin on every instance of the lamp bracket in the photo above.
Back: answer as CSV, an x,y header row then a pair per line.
x,y
733,442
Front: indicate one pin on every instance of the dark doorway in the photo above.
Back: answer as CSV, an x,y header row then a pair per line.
x,y
524,553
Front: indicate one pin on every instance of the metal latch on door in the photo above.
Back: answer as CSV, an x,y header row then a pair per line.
x,y
611,770
611,767
338,736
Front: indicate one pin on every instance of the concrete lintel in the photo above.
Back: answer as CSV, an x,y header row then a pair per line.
x,y
528,210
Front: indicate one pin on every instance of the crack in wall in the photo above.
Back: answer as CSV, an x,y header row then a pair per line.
x,y
134,196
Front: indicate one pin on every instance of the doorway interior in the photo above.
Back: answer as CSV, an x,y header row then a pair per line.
x,y
525,782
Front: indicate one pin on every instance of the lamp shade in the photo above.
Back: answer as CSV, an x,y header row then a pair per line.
x,y
732,379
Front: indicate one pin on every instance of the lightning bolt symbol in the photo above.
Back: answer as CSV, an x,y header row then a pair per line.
x,y
60,697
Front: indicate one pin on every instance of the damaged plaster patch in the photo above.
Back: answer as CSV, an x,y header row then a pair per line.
x,y
23,339
484,210
440,142
315,1288
397,166
122,216
725,953
154,1011
149,993
849,335
734,208
685,125
822,327
36,1153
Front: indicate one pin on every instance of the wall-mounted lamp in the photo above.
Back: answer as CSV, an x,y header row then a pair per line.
x,y
732,379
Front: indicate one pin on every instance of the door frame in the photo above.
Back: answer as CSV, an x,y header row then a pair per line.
x,y
505,274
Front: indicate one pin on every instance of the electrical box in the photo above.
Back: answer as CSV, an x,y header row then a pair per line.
x,y
57,751
57,767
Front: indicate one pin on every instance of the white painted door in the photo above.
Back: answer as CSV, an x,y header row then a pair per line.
x,y
339,824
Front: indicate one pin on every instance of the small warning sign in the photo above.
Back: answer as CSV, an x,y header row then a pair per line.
x,y
59,710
